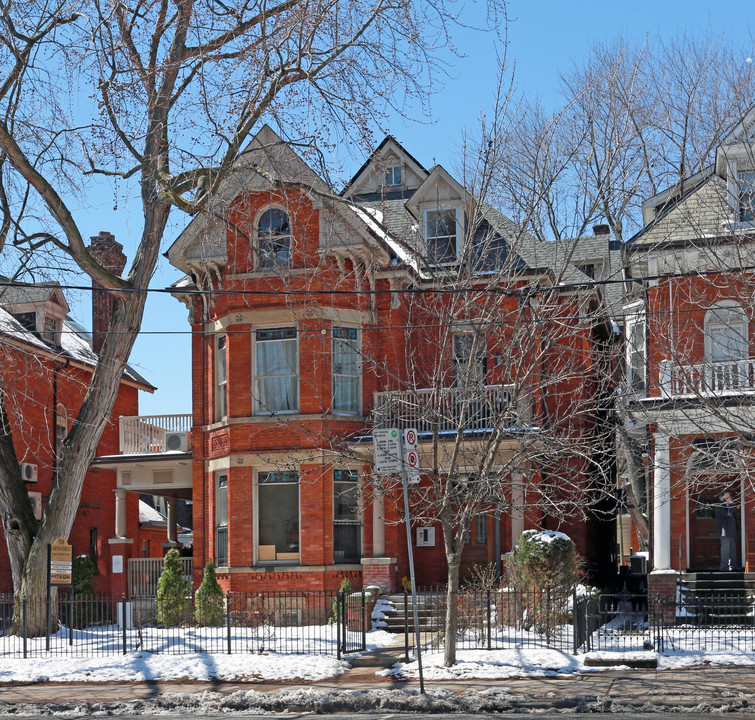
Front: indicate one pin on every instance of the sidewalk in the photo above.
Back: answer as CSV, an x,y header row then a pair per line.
x,y
733,687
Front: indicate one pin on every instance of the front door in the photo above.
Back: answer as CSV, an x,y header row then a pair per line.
x,y
704,545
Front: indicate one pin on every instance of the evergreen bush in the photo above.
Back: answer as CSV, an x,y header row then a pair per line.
x,y
172,591
208,601
84,611
543,567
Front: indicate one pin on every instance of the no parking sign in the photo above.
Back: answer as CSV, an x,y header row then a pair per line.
x,y
411,458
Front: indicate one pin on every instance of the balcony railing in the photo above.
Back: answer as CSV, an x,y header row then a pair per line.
x,y
477,409
711,378
142,434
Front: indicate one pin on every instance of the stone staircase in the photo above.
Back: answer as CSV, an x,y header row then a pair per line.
x,y
717,598
429,609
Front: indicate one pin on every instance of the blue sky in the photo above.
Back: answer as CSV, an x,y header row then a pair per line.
x,y
545,39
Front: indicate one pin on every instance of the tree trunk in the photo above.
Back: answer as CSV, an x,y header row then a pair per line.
x,y
452,609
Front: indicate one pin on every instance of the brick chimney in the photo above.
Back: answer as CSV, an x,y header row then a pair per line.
x,y
601,229
108,253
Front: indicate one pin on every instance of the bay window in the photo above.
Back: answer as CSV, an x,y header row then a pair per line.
x,y
276,381
347,525
346,371
277,516
221,520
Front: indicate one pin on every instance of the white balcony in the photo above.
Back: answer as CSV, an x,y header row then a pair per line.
x,y
147,434
476,410
707,379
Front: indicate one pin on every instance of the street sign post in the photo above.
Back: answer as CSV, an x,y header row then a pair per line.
x,y
386,444
411,457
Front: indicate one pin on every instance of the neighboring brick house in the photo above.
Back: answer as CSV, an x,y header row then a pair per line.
x,y
689,330
305,331
46,362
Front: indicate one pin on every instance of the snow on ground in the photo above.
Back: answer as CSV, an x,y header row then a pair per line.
x,y
145,666
492,664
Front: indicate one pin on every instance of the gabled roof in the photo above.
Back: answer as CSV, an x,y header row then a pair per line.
x,y
75,342
388,145
268,162
15,293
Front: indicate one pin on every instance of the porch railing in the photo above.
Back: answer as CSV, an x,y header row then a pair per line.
x,y
142,434
475,409
707,378
143,574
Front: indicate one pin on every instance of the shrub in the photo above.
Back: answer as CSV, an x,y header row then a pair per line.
x,y
346,590
543,569
208,601
172,591
84,611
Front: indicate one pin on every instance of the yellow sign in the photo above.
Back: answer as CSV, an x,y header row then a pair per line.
x,y
61,562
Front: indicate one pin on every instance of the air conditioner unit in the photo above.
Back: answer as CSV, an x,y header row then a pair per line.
x,y
36,503
177,441
28,472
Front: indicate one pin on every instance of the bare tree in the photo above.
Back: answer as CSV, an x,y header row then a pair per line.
x,y
158,99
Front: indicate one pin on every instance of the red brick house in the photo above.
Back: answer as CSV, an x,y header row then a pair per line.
x,y
689,331
307,334
46,362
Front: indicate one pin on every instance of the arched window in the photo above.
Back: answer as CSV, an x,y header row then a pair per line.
x,y
273,238
726,347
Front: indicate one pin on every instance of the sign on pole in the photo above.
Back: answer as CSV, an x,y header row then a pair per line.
x,y
386,444
61,562
411,457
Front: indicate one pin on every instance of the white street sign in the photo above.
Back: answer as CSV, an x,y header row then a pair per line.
x,y
386,443
411,457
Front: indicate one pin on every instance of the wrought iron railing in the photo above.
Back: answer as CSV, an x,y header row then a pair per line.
x,y
445,410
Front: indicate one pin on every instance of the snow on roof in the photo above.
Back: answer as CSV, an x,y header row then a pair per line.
x,y
372,217
148,514
75,342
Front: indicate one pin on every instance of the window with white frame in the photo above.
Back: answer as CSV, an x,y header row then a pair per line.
x,y
636,352
221,519
347,524
276,371
393,176
469,360
277,516
747,196
441,231
221,378
726,347
273,238
51,330
346,370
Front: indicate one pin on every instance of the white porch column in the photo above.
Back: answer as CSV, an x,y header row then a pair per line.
x,y
120,513
517,506
378,523
661,504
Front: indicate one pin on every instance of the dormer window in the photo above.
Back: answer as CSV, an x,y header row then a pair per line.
x,y
747,196
274,238
441,230
393,176
50,331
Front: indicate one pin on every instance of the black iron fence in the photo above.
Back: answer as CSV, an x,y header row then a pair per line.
x,y
579,622
313,622
336,623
